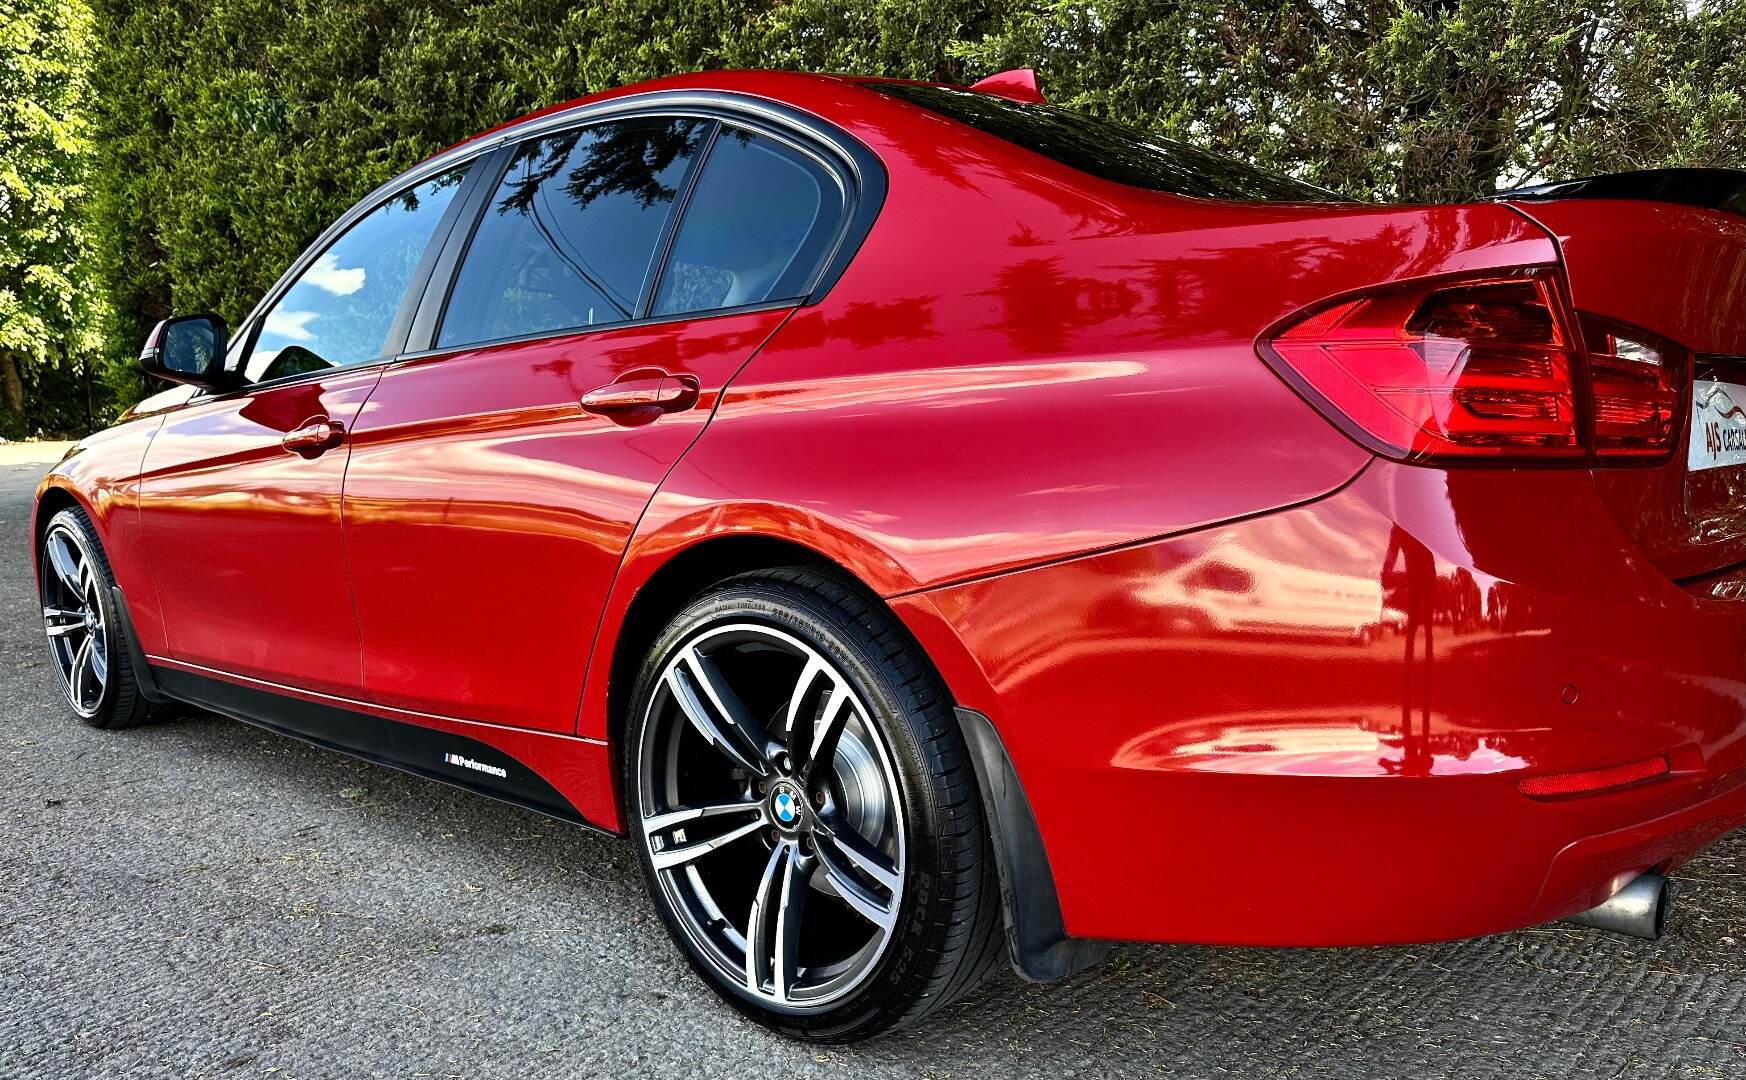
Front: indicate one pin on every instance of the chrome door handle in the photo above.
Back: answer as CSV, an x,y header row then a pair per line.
x,y
314,438
657,394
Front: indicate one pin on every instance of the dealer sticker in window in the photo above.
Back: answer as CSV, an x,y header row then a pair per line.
x,y
1718,425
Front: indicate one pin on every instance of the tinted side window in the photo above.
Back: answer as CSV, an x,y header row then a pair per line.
x,y
569,236
760,221
340,310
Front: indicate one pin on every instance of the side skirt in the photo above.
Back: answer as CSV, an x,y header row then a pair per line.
x,y
435,755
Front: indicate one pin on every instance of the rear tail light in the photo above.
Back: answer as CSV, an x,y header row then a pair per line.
x,y
1483,369
1636,380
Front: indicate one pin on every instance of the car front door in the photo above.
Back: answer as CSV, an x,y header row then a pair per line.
x,y
240,500
619,274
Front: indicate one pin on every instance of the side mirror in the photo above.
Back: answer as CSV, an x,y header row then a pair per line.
x,y
189,349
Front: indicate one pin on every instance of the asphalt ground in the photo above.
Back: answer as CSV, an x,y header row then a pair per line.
x,y
203,899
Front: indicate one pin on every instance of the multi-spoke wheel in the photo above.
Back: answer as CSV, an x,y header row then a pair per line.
x,y
84,643
72,613
808,790
793,774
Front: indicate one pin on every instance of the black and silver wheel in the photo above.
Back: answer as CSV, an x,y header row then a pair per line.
x,y
806,813
84,638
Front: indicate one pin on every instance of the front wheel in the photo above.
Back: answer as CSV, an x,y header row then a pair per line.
x,y
85,643
806,811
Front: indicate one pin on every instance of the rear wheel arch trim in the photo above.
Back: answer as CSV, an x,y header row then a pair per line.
x,y
677,577
671,528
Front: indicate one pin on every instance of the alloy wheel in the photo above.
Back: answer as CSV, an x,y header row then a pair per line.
x,y
770,812
72,615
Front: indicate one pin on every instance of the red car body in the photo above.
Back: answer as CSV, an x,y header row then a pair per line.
x,y
1294,689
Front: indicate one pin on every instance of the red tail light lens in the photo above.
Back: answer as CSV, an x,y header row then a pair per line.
x,y
1474,369
1636,379
1593,780
1486,369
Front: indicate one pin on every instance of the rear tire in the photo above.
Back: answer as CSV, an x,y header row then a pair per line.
x,y
829,904
86,648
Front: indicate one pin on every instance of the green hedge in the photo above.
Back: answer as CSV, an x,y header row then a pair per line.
x,y
229,132
48,307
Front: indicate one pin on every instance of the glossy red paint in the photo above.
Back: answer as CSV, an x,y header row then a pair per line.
x,y
1019,84
244,534
479,472
1345,694
1030,415
101,475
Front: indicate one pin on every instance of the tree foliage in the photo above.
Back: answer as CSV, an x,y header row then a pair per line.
x,y
46,309
1427,101
231,131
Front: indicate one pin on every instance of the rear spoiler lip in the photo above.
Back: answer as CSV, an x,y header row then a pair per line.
x,y
1711,189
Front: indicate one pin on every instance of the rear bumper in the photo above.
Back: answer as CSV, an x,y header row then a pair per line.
x,y
1308,728
1591,869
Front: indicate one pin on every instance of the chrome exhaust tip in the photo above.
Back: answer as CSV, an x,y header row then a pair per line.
x,y
1638,910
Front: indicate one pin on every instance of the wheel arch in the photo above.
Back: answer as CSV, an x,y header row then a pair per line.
x,y
678,578
51,499
674,578
687,543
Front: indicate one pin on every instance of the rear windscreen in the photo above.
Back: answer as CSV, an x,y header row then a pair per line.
x,y
1107,150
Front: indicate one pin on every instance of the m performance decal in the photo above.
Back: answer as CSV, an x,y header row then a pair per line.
x,y
476,766
465,762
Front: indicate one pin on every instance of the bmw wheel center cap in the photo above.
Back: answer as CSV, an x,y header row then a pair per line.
x,y
785,805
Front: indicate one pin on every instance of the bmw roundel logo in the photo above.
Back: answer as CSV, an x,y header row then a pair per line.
x,y
786,808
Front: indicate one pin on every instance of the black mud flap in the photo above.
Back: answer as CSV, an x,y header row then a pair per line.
x,y
1036,937
142,671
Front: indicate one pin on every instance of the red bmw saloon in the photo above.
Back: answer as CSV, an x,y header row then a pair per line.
x,y
937,528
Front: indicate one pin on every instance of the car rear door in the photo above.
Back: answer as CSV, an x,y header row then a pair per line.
x,y
619,273
240,498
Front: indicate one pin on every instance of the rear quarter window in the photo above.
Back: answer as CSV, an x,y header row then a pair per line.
x,y
757,228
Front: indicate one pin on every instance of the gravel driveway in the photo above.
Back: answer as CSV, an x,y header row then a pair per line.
x,y
202,899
